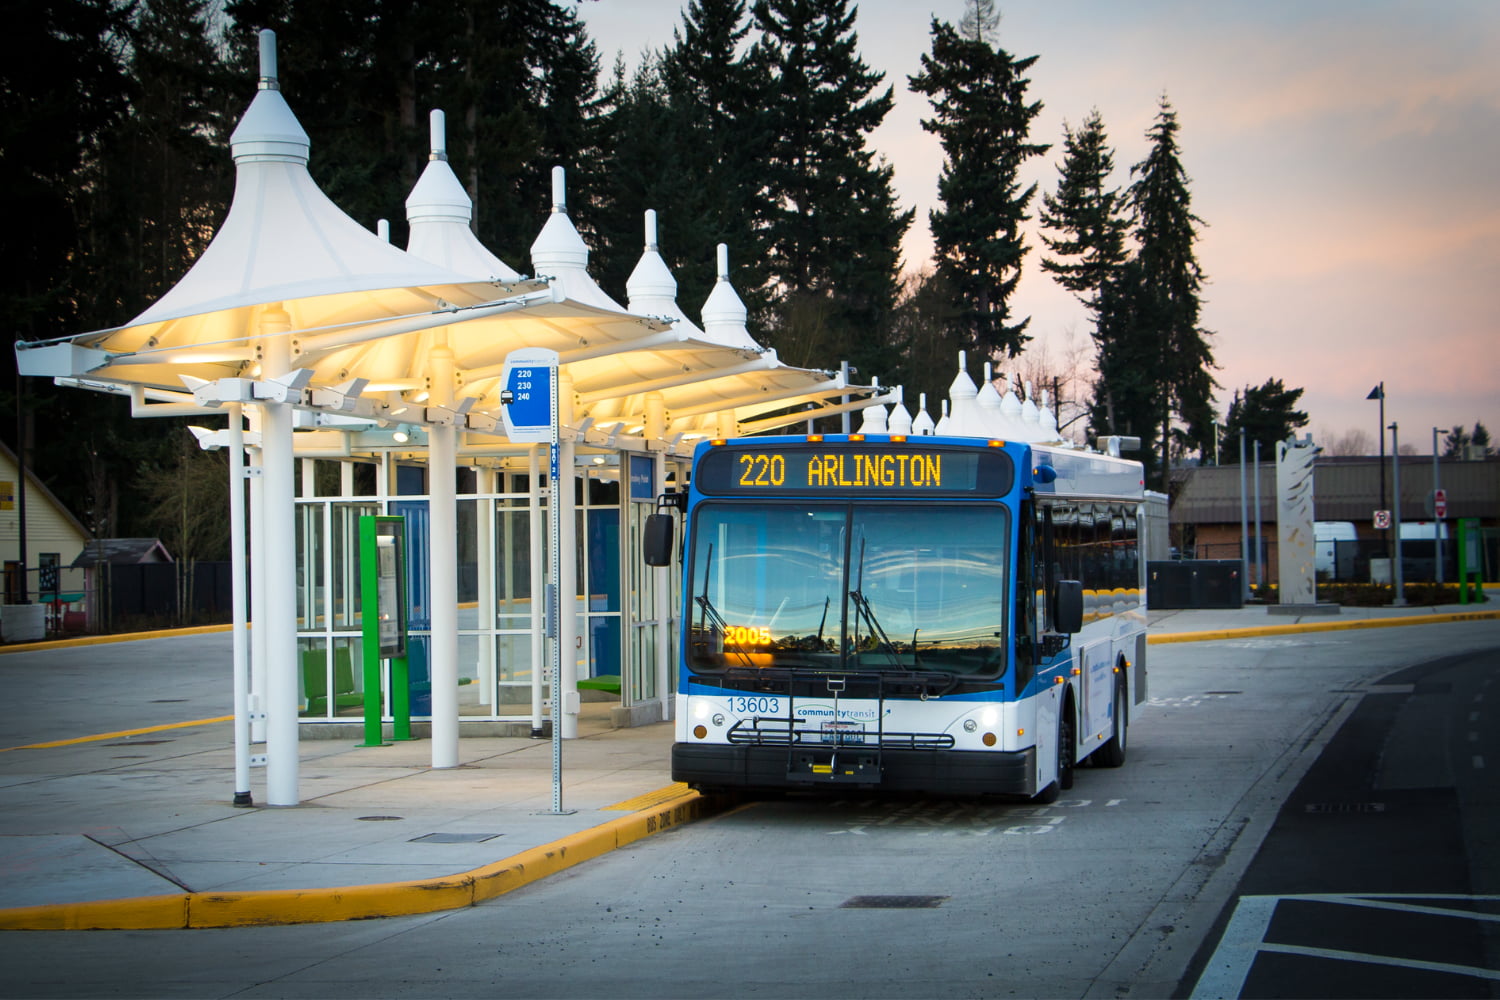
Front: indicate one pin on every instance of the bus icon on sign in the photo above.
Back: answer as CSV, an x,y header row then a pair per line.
x,y
1382,519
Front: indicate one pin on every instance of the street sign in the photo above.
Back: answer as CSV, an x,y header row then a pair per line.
x,y
1382,520
530,375
1439,507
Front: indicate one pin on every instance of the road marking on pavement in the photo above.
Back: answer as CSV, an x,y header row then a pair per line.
x,y
124,732
1225,973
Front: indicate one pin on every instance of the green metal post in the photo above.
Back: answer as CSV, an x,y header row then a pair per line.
x,y
370,629
400,699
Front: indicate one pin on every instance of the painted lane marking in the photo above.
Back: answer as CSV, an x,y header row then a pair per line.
x,y
1227,969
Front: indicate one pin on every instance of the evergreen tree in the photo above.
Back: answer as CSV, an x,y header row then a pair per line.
x,y
62,87
1127,393
517,79
1165,231
832,226
1458,440
1267,413
686,137
983,120
1087,215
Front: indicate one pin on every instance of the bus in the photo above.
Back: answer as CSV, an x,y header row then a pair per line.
x,y
908,613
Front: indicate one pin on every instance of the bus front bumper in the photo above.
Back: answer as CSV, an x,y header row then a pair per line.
x,y
948,772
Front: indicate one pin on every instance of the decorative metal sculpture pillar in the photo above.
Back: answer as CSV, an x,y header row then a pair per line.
x,y
1295,546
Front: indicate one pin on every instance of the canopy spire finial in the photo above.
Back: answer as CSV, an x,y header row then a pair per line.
x,y
437,130
268,79
651,243
559,190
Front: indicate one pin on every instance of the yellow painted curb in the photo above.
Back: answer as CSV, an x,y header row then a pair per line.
x,y
361,902
147,913
1322,626
99,640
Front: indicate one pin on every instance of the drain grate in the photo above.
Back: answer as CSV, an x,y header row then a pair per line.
x,y
453,838
378,819
1330,808
892,902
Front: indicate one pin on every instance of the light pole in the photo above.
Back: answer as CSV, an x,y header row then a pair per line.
x,y
1259,574
1437,520
1244,529
1379,393
1400,600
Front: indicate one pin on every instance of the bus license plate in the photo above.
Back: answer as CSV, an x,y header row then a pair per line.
x,y
844,733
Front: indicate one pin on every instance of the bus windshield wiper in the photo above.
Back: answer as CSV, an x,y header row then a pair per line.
x,y
711,613
862,608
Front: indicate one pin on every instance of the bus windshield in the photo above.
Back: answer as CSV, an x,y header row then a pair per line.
x,y
860,587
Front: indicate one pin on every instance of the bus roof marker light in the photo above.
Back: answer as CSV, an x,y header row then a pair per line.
x,y
815,438
716,442
856,437
898,439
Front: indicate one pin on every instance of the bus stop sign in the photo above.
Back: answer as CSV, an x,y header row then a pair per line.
x,y
530,384
1439,504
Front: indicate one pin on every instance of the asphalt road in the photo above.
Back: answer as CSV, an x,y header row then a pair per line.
x,y
1109,893
1381,876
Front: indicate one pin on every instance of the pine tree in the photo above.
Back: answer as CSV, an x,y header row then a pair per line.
x,y
1127,394
685,136
1267,413
982,118
517,80
832,226
1087,215
1165,231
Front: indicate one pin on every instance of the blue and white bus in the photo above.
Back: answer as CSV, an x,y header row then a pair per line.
x,y
939,614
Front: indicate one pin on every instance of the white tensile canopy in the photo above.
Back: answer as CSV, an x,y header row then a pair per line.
x,y
294,305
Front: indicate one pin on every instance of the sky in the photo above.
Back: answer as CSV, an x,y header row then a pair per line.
x,y
1343,155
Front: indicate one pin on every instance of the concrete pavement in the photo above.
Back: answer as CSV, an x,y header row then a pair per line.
x,y
134,828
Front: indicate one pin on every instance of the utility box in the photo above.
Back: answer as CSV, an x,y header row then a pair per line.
x,y
1195,583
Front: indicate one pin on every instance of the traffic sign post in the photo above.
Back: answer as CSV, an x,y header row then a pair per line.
x,y
1382,520
530,415
1439,504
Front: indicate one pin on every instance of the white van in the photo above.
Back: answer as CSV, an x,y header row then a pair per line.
x,y
1326,535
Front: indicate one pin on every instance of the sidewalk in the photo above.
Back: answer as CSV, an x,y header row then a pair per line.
x,y
138,831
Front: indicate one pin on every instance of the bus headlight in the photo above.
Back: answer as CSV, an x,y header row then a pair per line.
x,y
718,719
970,725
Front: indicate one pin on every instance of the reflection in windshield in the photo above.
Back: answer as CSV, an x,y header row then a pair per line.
x,y
865,587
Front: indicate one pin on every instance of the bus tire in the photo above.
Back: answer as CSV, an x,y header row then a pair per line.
x,y
1065,762
1112,753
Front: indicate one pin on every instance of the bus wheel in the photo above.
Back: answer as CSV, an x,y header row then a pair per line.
x,y
1112,753
1065,750
1064,779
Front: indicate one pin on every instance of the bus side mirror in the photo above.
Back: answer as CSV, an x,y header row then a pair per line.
x,y
1068,617
656,543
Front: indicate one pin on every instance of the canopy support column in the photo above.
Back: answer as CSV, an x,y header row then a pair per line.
x,y
257,592
241,671
442,520
278,582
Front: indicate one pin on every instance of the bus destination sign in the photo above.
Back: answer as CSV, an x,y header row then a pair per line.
x,y
834,468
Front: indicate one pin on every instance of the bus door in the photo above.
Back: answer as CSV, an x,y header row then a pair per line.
x,y
1098,685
